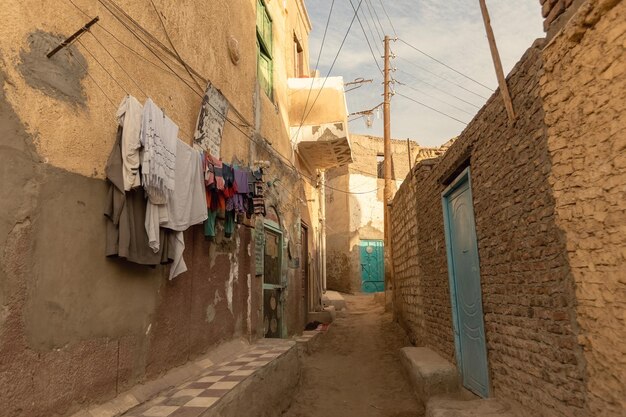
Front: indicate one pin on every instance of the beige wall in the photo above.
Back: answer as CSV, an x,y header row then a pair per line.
x,y
359,214
583,88
77,328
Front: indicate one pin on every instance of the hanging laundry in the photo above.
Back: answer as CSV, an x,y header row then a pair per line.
x,y
129,118
125,212
158,137
186,205
210,126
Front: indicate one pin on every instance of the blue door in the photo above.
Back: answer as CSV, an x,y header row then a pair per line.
x,y
465,291
372,266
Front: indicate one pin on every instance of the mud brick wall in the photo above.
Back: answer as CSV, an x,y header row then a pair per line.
x,y
528,296
585,81
557,12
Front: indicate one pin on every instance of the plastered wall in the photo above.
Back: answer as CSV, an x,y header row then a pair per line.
x,y
77,328
359,214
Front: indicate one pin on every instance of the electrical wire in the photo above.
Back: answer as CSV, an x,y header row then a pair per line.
x,y
118,64
444,64
306,114
167,35
388,18
369,45
442,90
102,66
317,63
441,77
367,21
368,3
431,108
382,29
92,79
433,97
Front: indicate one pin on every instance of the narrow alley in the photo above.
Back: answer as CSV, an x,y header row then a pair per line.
x,y
355,370
313,208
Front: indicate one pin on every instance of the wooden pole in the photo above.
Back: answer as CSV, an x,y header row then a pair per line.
x,y
495,55
388,191
408,151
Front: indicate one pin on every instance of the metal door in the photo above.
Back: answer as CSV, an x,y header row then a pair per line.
x,y
273,288
372,266
464,274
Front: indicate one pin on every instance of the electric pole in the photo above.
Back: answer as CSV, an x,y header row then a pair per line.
x,y
388,191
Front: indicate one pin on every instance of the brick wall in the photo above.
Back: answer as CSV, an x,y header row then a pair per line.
x,y
528,296
585,80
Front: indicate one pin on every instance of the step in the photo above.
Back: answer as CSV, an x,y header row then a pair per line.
x,y
430,374
453,407
264,377
333,298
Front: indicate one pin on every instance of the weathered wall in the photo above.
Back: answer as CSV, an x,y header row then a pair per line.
x,y
583,88
557,13
528,289
77,328
359,214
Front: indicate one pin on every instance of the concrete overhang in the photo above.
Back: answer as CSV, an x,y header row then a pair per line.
x,y
318,117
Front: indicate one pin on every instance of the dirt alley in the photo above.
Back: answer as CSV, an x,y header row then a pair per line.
x,y
356,370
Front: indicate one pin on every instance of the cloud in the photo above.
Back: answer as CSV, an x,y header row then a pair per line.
x,y
451,31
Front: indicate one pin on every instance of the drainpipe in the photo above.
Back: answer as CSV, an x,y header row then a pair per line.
x,y
323,225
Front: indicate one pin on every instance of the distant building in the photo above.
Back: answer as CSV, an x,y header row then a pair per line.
x,y
355,220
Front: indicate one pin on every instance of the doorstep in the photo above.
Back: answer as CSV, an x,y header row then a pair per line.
x,y
221,389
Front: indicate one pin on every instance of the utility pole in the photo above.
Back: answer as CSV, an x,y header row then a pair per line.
x,y
495,55
388,191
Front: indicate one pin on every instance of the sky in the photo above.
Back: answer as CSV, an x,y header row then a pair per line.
x,y
451,31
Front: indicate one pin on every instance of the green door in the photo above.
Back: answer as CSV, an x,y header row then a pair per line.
x,y
372,266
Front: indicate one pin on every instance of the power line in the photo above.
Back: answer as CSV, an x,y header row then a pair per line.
x,y
368,3
329,70
442,90
444,64
432,108
317,63
433,97
388,18
369,45
442,78
167,35
382,29
367,21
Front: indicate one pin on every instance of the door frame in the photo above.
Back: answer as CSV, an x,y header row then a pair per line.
x,y
381,266
461,179
275,228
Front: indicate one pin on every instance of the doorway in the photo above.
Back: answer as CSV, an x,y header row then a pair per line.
x,y
465,289
273,287
372,266
304,270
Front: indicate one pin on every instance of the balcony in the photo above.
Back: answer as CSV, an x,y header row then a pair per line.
x,y
318,117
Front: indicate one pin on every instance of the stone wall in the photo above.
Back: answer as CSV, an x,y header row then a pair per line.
x,y
584,90
528,298
556,13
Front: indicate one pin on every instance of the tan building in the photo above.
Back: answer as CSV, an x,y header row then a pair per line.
x,y
509,249
77,328
355,219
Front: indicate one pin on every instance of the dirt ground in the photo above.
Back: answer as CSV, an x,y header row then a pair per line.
x,y
356,370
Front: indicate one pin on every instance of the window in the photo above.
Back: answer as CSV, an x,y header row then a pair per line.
x,y
265,69
380,166
298,58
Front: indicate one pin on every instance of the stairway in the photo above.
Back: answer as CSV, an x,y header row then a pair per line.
x,y
437,386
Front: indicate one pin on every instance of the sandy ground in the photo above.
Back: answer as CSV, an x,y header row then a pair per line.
x,y
356,369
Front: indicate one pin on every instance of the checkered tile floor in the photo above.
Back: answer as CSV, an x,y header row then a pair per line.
x,y
194,397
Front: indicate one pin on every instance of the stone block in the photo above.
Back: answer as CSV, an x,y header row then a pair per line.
x,y
333,298
430,374
321,316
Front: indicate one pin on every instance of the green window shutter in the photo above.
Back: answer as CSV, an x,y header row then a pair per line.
x,y
264,45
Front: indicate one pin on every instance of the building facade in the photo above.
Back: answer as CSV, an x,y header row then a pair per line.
x,y
508,258
77,328
355,219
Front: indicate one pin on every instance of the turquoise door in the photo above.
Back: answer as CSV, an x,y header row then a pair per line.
x,y
372,266
464,274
